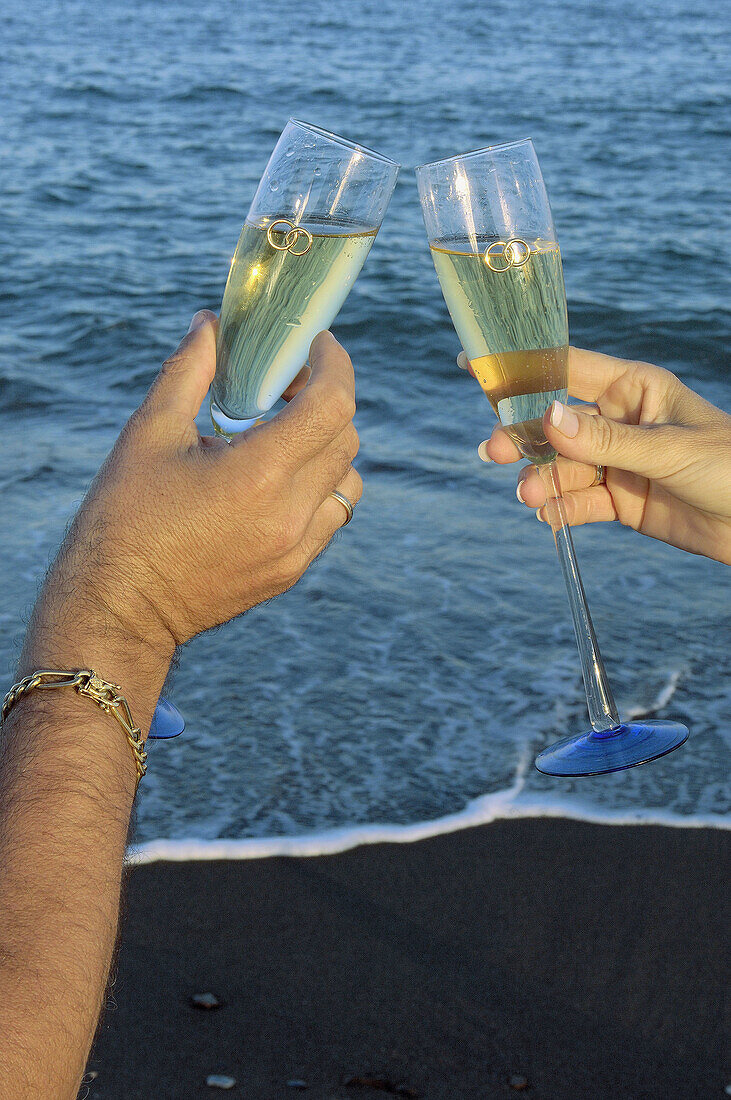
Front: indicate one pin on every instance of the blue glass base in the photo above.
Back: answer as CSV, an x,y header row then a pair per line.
x,y
630,744
167,721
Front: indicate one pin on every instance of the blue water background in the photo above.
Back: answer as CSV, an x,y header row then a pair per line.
x,y
430,653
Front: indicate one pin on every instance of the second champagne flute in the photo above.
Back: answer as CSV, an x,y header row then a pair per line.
x,y
496,253
311,225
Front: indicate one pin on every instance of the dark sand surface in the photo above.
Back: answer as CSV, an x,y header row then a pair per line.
x,y
588,958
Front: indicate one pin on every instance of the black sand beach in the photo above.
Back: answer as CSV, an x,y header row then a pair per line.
x,y
586,959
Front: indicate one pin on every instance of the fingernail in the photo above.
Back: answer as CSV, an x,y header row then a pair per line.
x,y
462,361
563,418
538,515
198,320
518,493
482,451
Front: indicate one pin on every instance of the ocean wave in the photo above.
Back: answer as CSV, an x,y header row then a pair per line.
x,y
88,89
439,615
480,811
660,701
203,91
24,395
517,800
41,471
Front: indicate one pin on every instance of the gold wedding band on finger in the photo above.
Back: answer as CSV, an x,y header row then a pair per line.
x,y
346,505
600,476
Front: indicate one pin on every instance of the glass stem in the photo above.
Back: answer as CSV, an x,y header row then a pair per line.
x,y
599,698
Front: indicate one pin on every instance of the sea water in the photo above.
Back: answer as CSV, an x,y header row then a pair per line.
x,y
416,670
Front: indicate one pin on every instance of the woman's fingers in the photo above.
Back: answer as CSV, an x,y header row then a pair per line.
x,y
573,476
585,506
501,448
591,373
651,450
464,364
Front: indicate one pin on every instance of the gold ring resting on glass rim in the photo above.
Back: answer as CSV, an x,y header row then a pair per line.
x,y
296,233
600,476
515,253
346,505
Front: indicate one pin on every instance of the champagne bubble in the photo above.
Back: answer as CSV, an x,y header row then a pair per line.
x,y
317,171
273,185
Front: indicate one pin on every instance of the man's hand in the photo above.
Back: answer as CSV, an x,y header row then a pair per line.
x,y
179,532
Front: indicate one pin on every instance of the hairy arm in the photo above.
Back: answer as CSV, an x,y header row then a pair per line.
x,y
177,534
67,783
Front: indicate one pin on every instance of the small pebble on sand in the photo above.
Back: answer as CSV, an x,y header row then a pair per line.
x,y
205,1000
518,1082
220,1081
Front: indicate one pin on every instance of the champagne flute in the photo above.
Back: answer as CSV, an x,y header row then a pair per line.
x,y
313,220
496,254
311,225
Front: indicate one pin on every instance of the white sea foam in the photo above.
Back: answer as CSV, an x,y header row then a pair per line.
x,y
502,805
332,841
661,700
522,798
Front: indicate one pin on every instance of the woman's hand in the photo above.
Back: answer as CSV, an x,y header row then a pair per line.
x,y
666,453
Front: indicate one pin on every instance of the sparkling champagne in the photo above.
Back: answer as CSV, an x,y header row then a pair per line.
x,y
508,306
285,285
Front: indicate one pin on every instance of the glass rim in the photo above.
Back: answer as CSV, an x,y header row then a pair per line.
x,y
372,153
475,153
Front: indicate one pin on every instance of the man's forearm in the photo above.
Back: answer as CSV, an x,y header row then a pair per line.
x,y
177,534
67,784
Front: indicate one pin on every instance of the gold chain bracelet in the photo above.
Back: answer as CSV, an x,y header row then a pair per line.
x,y
85,682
